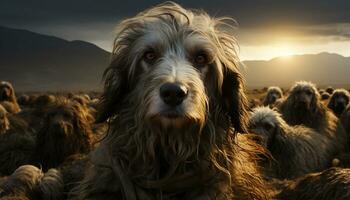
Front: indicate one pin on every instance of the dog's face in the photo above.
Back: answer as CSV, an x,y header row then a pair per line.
x,y
265,123
304,97
273,95
6,91
339,101
172,65
61,120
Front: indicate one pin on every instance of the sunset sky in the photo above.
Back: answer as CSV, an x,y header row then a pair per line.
x,y
267,28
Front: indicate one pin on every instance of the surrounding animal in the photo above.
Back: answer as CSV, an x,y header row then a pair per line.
x,y
329,90
273,94
339,101
29,182
304,107
333,183
8,97
65,132
175,103
296,150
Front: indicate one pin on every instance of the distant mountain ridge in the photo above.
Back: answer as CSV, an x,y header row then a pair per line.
x,y
323,69
37,62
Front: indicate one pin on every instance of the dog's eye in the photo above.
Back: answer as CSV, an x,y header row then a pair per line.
x,y
150,56
201,59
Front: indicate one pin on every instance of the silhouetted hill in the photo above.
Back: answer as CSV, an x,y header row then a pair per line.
x,y
323,69
36,62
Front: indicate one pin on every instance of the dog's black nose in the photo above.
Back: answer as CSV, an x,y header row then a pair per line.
x,y
173,94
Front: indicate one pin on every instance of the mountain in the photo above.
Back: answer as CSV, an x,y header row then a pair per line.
x,y
36,62
323,69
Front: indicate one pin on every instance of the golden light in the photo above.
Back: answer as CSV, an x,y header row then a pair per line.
x,y
283,50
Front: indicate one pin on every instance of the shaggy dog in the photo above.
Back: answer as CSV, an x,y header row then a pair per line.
x,y
174,99
297,150
330,184
329,90
303,107
8,97
16,142
339,101
273,94
325,96
29,182
66,131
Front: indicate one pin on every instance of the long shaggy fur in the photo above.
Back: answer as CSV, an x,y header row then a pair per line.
x,y
330,184
66,131
296,150
303,107
273,94
339,101
8,97
21,183
197,155
29,182
16,149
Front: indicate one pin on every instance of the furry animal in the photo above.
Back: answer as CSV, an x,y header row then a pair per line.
x,y
333,183
303,107
325,96
21,183
297,150
174,100
273,94
17,143
65,132
29,182
339,101
8,97
345,119
329,90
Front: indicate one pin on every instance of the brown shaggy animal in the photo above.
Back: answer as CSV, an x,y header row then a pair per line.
x,y
8,97
17,143
325,96
29,182
329,90
304,107
65,132
339,101
296,150
175,103
273,94
331,184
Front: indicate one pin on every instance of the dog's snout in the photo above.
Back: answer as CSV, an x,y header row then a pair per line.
x,y
173,94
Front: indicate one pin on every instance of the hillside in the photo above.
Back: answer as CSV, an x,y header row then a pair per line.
x,y
322,69
36,62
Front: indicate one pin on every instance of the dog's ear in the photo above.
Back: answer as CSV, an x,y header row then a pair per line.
x,y
115,89
235,101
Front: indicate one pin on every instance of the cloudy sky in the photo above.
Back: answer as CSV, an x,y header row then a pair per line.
x,y
267,28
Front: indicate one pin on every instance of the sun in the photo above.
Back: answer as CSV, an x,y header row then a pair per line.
x,y
284,50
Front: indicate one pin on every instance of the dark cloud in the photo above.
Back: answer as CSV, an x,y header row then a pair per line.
x,y
94,20
247,12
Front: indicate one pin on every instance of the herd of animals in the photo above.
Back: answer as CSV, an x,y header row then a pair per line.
x,y
173,123
45,141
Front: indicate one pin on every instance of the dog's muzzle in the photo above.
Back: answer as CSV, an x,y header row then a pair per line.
x,y
173,94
